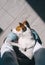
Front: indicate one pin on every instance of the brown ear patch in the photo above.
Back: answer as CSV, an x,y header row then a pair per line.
x,y
18,28
27,24
23,27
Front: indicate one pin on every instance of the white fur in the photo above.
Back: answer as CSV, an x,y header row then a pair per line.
x,y
28,52
37,47
6,47
25,41
19,33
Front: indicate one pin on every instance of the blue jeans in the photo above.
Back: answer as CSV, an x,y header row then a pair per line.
x,y
9,58
39,57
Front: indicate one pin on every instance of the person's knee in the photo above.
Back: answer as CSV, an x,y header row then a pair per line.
x,y
39,57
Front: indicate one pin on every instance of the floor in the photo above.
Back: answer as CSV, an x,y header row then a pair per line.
x,y
14,11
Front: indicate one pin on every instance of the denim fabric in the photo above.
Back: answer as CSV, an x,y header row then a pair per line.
x,y
12,37
40,57
9,58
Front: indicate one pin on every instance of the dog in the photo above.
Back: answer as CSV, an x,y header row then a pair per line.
x,y
27,39
26,42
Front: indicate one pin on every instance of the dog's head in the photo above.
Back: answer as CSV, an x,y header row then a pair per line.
x,y
20,29
23,27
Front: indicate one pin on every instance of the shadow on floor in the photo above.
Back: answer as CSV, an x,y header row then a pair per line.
x,y
38,6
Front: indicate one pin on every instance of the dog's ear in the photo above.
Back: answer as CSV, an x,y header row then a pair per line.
x,y
22,26
27,24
